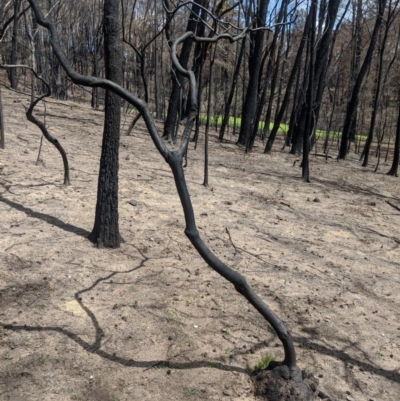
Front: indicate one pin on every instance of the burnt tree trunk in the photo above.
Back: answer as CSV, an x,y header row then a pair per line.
x,y
156,68
356,58
255,61
200,55
2,140
353,103
320,66
106,230
177,79
292,77
396,155
233,88
14,46
309,97
95,67
272,59
300,123
377,95
278,73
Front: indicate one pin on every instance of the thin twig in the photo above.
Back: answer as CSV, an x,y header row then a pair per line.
x,y
393,205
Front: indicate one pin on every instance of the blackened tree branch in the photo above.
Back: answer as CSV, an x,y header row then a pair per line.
x,y
7,23
39,124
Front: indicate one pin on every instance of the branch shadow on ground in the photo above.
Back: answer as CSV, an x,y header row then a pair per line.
x,y
312,342
347,359
46,218
121,360
95,347
339,354
342,186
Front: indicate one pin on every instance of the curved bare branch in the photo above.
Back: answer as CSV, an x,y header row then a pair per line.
x,y
39,124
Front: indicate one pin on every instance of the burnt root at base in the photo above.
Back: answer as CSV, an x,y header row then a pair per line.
x,y
282,383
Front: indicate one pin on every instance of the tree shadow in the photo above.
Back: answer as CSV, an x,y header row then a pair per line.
x,y
343,356
313,341
46,218
351,188
95,346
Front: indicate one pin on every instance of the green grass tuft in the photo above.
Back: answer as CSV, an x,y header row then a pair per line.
x,y
264,362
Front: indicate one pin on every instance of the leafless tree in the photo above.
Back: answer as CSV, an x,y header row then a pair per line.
x,y
287,368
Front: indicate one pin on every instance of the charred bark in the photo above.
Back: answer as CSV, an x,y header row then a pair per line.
x,y
310,117
177,79
396,155
105,232
14,46
353,103
255,60
38,123
271,53
2,137
292,77
377,95
233,86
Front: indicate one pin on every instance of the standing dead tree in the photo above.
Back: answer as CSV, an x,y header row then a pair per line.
x,y
105,232
396,156
286,372
355,94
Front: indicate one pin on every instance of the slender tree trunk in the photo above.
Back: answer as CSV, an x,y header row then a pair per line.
x,y
2,138
233,88
156,77
177,79
54,66
284,42
199,92
293,113
272,59
37,57
300,123
95,91
14,46
377,95
292,77
279,71
309,97
255,59
323,55
320,66
106,230
200,55
374,111
212,58
396,155
353,103
332,112
356,59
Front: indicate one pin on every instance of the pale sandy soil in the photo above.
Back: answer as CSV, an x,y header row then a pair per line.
x,y
79,323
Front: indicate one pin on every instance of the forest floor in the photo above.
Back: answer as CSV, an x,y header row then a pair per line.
x,y
151,321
